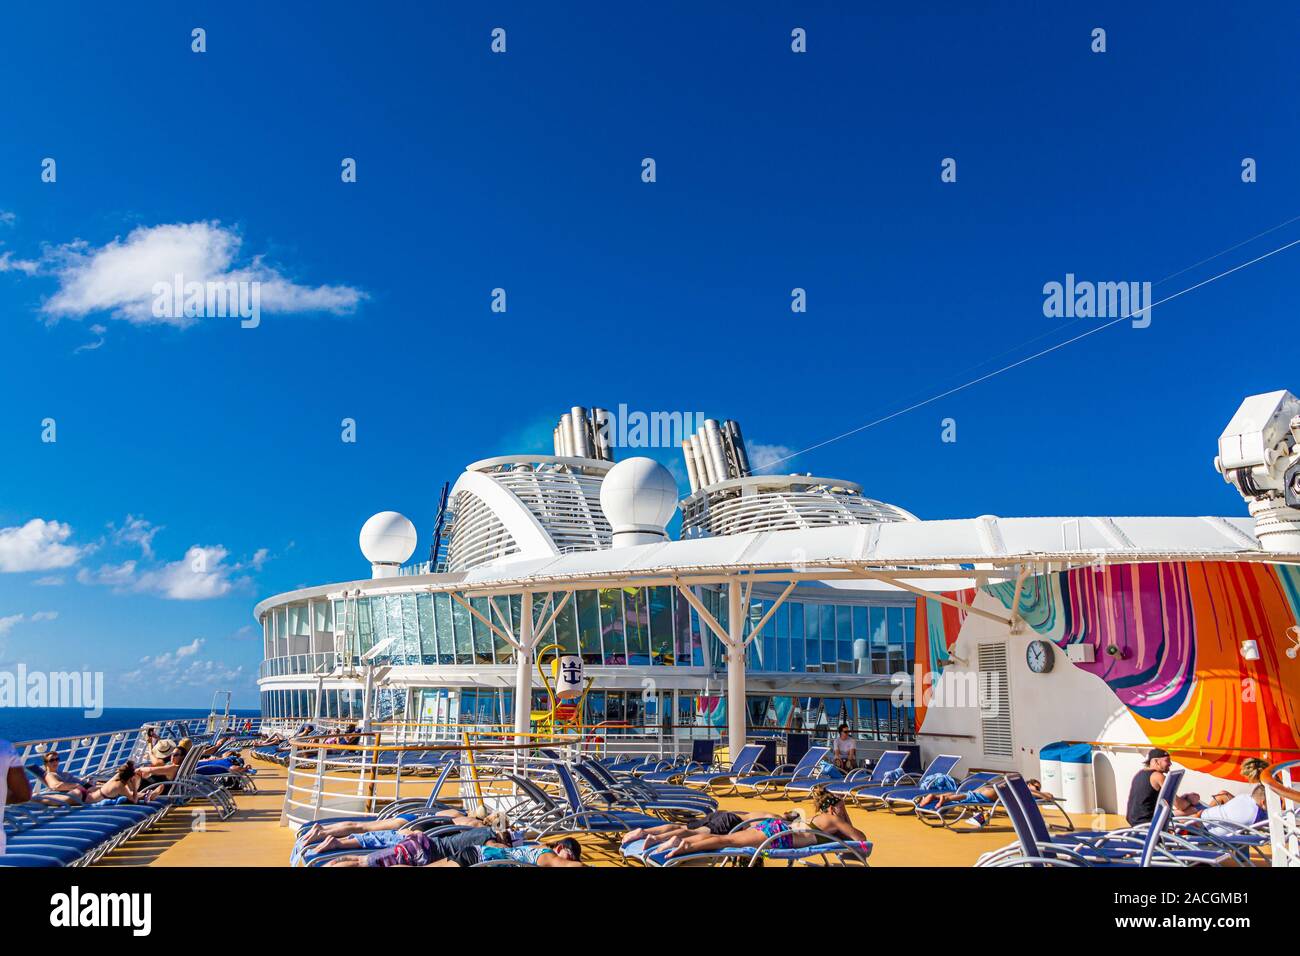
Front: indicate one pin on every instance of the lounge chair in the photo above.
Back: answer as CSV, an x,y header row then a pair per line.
x,y
579,817
827,848
872,796
745,764
764,784
905,799
1146,845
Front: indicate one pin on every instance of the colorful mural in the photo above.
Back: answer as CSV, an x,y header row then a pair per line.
x,y
1167,641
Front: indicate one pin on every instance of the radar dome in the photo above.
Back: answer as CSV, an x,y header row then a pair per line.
x,y
638,496
387,540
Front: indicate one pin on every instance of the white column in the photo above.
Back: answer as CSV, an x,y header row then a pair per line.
x,y
735,671
524,669
367,700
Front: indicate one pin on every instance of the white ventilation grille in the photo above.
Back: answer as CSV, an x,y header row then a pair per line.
x,y
737,511
477,535
995,700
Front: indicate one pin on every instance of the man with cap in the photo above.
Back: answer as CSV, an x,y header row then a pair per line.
x,y
1144,789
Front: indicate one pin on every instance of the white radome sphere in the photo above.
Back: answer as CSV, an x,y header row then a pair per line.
x,y
638,494
388,538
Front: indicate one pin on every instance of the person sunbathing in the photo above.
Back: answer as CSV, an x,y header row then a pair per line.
x,y
831,817
378,834
976,796
789,831
465,848
65,783
124,783
716,823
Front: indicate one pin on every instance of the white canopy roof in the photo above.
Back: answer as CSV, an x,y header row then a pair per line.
x,y
950,554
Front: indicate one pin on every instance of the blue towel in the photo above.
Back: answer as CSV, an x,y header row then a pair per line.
x,y
938,781
892,777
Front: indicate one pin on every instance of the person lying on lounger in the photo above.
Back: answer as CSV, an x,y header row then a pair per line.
x,y
62,782
717,823
124,783
378,834
978,796
465,848
832,815
790,831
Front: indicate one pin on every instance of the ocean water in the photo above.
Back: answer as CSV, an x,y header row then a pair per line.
x,y
42,723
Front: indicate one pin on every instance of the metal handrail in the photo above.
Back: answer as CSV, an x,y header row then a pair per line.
x,y
1283,800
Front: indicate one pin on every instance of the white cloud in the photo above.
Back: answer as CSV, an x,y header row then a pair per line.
x,y
7,218
26,266
119,277
113,575
200,575
7,623
37,546
183,667
135,530
49,581
98,330
762,457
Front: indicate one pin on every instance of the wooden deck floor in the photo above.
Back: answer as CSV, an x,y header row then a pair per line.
x,y
254,837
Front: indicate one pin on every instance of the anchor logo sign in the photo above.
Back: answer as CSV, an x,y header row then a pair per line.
x,y
1293,633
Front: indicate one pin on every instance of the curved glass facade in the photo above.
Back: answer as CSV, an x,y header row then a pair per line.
x,y
637,627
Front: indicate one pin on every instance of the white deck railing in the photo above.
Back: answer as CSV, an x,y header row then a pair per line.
x,y
1283,801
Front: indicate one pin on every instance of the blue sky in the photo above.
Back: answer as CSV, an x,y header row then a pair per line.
x,y
775,170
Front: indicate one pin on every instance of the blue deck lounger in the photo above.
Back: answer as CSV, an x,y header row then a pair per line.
x,y
763,784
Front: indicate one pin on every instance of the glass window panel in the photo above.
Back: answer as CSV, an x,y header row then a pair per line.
x,y
611,625
661,625
589,626
681,626
428,636
410,629
543,608
877,619
566,624
595,709
443,626
365,632
909,635
482,635
697,642
896,629
460,620
796,655
614,709
637,616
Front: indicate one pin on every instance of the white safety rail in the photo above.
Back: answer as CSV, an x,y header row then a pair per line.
x,y
328,780
87,755
1283,801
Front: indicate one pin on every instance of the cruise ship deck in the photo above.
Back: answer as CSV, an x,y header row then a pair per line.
x,y
253,837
